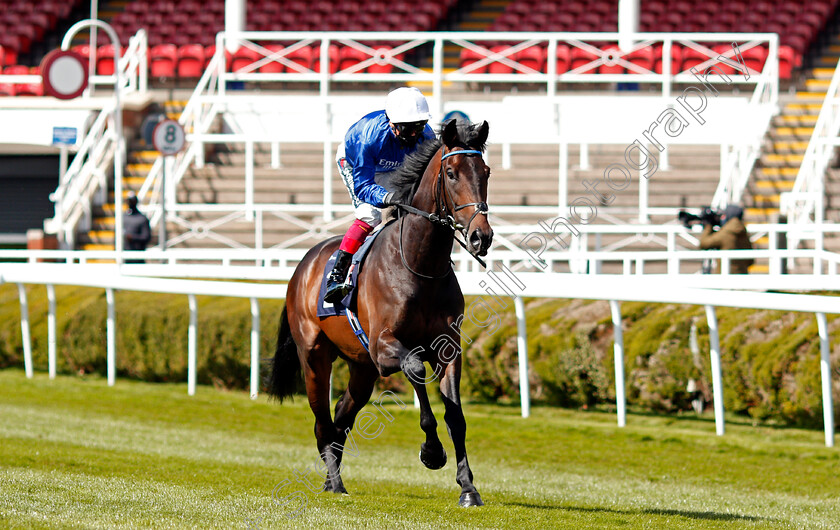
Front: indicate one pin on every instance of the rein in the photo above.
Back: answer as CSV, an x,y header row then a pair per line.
x,y
444,218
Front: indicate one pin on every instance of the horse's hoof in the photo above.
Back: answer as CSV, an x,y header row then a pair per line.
x,y
340,489
470,499
433,460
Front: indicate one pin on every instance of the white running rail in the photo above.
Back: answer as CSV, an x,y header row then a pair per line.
x,y
519,285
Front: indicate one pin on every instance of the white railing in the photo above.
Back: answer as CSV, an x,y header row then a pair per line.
x,y
614,290
86,175
133,65
740,158
806,198
401,58
606,250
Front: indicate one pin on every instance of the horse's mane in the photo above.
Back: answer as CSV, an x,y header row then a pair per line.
x,y
404,180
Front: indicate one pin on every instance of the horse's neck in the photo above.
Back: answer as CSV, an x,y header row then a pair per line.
x,y
427,245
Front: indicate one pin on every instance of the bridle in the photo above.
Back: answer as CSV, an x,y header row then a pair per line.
x,y
442,217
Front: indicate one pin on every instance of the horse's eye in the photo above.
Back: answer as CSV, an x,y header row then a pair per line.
x,y
450,174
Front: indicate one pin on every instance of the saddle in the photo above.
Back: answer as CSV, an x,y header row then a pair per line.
x,y
347,305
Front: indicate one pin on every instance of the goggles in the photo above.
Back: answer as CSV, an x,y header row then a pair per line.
x,y
411,128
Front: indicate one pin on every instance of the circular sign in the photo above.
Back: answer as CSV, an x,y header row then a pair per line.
x,y
64,74
168,137
455,115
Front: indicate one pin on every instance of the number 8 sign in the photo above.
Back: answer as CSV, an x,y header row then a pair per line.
x,y
168,137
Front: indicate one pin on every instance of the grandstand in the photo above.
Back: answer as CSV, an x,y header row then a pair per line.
x,y
270,186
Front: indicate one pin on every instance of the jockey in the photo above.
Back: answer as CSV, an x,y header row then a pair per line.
x,y
378,142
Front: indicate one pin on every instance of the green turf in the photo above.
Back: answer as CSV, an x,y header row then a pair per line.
x,y
77,454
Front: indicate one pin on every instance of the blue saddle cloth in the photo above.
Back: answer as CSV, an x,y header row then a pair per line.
x,y
347,305
326,309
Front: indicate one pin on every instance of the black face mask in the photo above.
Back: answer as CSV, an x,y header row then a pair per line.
x,y
409,133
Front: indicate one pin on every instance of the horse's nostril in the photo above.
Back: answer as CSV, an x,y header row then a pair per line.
x,y
475,239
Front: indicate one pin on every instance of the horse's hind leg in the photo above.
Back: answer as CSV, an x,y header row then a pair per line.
x,y
359,389
317,365
457,426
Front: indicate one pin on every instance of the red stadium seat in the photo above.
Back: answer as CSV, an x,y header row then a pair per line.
x,y
691,58
382,51
163,57
2,57
243,58
7,89
348,57
676,58
11,45
721,49
27,35
787,60
469,57
333,58
31,89
643,57
273,67
498,67
302,57
190,61
533,57
105,60
754,58
41,22
210,51
579,57
616,68
564,59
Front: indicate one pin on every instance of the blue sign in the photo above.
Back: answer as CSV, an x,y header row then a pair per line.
x,y
64,135
455,115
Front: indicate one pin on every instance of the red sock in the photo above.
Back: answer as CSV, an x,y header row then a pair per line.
x,y
355,236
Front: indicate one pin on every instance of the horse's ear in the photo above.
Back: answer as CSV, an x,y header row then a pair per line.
x,y
449,135
483,131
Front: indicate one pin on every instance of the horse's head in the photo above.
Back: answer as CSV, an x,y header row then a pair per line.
x,y
462,184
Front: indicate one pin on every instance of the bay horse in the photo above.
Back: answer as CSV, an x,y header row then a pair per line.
x,y
407,297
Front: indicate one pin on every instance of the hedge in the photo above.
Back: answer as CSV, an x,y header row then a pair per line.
x,y
770,359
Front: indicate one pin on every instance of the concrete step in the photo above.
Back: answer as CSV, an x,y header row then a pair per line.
x,y
817,85
781,160
775,173
774,185
822,73
791,147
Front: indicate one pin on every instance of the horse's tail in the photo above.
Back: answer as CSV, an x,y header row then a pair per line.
x,y
285,367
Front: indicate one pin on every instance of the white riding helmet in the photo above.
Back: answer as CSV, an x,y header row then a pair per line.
x,y
407,105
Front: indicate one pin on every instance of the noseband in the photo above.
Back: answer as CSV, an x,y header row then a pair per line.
x,y
441,215
480,207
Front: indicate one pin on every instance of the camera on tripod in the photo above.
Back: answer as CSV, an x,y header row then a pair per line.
x,y
707,216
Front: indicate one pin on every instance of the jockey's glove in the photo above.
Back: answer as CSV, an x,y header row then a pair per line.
x,y
390,199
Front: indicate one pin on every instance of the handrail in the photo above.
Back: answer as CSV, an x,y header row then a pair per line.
x,y
194,121
806,197
75,191
742,158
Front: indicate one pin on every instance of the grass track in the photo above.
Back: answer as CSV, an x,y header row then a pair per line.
x,y
77,454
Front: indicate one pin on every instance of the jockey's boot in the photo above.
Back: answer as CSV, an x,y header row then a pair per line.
x,y
336,286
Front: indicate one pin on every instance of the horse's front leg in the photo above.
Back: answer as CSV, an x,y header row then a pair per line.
x,y
450,385
432,453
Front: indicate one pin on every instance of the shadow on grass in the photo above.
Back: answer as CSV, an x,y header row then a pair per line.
x,y
711,516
